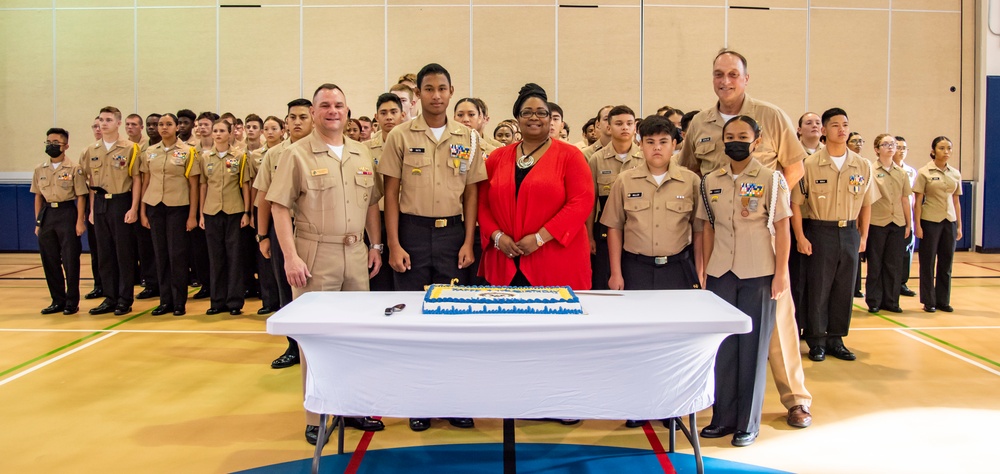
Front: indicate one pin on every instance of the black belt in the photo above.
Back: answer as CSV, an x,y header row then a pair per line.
x,y
436,222
660,261
57,205
101,193
820,223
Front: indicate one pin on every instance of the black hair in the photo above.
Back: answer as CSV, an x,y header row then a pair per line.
x,y
687,118
831,113
155,115
172,116
188,114
899,138
528,91
299,103
657,125
432,68
58,131
555,109
472,100
388,97
620,110
590,123
935,142
211,116
745,119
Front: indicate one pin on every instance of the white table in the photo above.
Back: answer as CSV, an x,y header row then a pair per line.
x,y
632,355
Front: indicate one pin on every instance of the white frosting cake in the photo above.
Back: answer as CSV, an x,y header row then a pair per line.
x,y
449,299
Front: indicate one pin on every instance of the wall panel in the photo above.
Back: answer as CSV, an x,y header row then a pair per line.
x,y
774,44
258,59
339,55
176,71
27,99
677,62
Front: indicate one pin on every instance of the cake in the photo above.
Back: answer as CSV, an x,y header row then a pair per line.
x,y
454,299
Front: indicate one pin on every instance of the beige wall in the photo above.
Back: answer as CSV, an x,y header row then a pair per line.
x,y
889,63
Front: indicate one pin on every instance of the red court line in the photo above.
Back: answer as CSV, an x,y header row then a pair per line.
x,y
19,271
661,454
360,450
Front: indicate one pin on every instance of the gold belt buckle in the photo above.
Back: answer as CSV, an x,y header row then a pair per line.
x,y
108,196
841,223
55,205
661,260
440,223
350,239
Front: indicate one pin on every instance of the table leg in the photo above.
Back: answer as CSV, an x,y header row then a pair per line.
x,y
318,452
340,435
672,424
509,458
694,444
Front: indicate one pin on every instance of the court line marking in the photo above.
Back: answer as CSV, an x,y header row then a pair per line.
x,y
957,356
657,447
359,451
21,270
935,339
133,331
55,359
980,266
923,328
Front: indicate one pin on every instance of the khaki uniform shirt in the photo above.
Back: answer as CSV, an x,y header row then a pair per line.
x,y
254,160
224,177
596,147
331,196
938,187
779,146
433,174
375,145
168,170
605,167
143,144
656,220
61,184
111,170
833,195
893,185
743,243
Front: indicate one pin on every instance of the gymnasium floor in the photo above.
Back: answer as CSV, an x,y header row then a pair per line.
x,y
139,393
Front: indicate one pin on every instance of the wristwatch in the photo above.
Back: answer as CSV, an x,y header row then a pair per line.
x,y
261,238
378,247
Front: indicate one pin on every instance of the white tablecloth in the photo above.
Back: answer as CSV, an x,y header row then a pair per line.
x,y
633,355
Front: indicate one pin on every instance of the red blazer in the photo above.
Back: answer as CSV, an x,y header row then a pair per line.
x,y
557,194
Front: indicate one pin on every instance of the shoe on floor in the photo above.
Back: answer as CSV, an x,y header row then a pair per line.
x,y
201,294
905,291
420,424
147,294
122,310
94,294
842,353
929,309
799,416
817,354
462,422
634,423
284,361
312,435
743,438
162,309
946,308
716,431
51,309
365,423
71,310
106,307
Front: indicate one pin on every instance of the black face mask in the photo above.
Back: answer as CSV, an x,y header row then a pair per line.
x,y
53,150
738,151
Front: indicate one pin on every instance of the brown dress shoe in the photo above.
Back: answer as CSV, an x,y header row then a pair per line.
x,y
799,416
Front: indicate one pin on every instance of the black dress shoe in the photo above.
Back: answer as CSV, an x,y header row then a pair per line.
x,y
236,312
462,422
162,309
312,435
568,421
71,310
716,431
284,361
251,294
201,294
634,423
94,294
53,309
873,309
266,310
929,309
894,309
366,423
743,438
211,311
858,294
946,308
122,310
817,354
420,424
180,311
907,292
195,284
842,353
147,294
103,308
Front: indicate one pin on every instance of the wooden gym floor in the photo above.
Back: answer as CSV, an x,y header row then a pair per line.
x,y
196,393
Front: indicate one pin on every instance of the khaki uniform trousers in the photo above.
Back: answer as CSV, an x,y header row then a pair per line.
x,y
785,356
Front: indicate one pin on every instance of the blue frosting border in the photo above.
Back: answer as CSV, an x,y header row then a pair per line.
x,y
574,299
515,310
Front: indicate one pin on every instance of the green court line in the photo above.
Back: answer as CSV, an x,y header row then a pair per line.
x,y
71,344
928,336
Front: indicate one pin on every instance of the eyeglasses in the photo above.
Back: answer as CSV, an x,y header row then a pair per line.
x,y
540,113
857,141
888,145
53,143
901,147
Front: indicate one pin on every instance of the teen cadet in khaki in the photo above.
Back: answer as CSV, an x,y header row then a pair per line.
x,y
330,181
201,140
746,205
299,124
603,132
111,166
703,151
431,166
621,154
144,241
938,213
170,210
60,199
225,209
838,192
388,114
889,230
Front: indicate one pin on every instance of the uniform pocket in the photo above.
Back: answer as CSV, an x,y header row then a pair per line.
x,y
637,205
417,170
364,185
680,206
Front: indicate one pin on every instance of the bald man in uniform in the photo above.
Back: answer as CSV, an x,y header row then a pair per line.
x,y
329,180
703,151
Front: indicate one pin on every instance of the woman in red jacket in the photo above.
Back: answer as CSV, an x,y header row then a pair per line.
x,y
534,205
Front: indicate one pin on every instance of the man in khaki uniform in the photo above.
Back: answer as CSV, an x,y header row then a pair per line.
x,y
703,151
837,189
603,130
60,200
431,166
330,182
110,165
389,113
621,154
299,124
